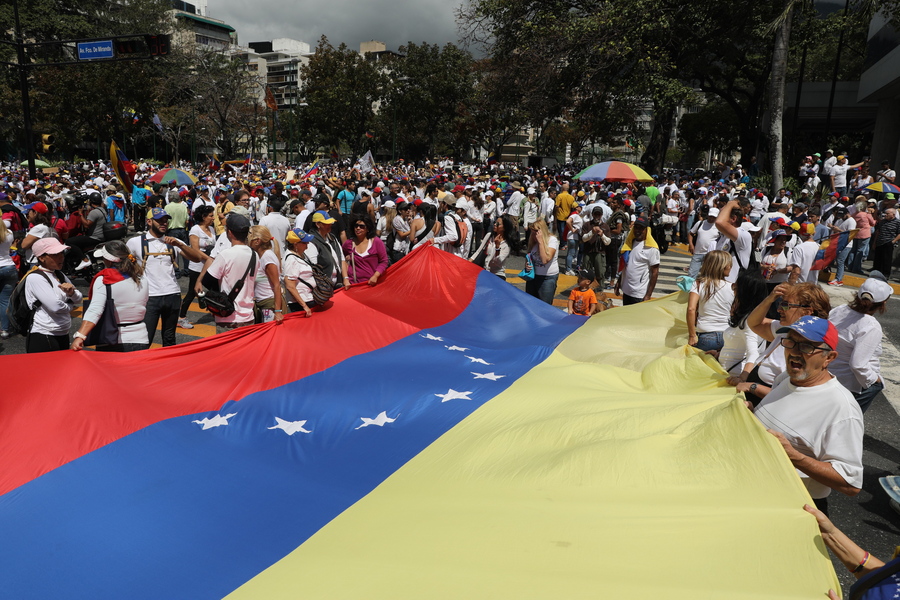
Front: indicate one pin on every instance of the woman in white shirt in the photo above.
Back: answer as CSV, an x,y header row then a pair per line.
x,y
57,296
122,278
774,260
297,269
742,347
543,248
202,238
709,302
858,365
267,293
498,245
9,276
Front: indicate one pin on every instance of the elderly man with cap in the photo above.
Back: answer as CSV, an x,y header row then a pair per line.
x,y
803,256
330,255
816,419
158,254
637,280
233,266
57,297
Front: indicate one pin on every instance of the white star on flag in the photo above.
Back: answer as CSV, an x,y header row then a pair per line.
x,y
491,376
380,420
428,336
456,348
290,427
453,395
478,360
216,421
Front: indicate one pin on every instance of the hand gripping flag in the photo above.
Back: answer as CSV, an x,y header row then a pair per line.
x,y
483,444
123,167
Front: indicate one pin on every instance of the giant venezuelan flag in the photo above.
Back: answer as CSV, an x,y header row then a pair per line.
x,y
441,435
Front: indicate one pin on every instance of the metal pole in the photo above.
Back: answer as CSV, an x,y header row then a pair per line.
x,y
26,103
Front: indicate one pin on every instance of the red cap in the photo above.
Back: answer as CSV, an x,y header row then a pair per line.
x,y
459,188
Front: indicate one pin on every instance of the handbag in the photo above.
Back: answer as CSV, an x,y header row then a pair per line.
x,y
106,331
481,254
221,304
525,274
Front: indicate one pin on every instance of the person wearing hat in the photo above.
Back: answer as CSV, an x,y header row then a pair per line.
x,y
702,238
734,239
122,280
57,296
233,264
564,203
330,257
842,222
803,256
886,173
36,214
858,365
158,254
815,418
296,267
839,173
886,238
637,280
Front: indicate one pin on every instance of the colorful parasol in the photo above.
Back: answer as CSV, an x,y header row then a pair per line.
x,y
882,186
177,175
614,170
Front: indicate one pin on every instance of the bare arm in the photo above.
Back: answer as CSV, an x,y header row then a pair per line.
x,y
821,471
654,273
757,320
723,221
693,303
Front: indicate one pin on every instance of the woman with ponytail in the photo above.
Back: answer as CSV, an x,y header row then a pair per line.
x,y
123,328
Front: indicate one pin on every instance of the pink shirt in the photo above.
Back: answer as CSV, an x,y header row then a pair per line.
x,y
864,222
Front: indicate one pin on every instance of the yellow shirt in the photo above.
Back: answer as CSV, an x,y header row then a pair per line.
x,y
564,204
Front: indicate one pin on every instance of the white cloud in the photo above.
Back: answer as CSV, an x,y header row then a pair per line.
x,y
394,22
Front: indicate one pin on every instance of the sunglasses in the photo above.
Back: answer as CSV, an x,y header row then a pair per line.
x,y
803,347
359,226
782,305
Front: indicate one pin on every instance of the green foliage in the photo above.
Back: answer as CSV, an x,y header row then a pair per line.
x,y
714,127
340,88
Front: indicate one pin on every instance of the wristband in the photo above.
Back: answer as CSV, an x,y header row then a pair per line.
x,y
861,564
279,310
79,335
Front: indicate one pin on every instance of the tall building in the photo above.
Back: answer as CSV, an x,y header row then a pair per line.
x,y
283,58
201,29
880,84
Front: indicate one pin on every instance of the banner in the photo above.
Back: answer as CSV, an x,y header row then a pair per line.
x,y
366,163
484,445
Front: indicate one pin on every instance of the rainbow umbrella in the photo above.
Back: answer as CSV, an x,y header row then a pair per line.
x,y
614,170
177,175
882,186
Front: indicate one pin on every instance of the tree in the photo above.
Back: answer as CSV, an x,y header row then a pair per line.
x,y
340,88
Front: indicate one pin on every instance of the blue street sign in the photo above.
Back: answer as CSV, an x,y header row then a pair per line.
x,y
95,50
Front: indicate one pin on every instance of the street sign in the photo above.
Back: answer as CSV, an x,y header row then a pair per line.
x,y
95,50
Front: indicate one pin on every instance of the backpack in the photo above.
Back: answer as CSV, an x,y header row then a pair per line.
x,y
17,221
20,315
752,263
324,289
221,304
462,231
145,252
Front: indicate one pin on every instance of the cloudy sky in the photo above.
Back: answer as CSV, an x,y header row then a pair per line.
x,y
393,22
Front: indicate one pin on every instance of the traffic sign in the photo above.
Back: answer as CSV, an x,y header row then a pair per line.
x,y
95,50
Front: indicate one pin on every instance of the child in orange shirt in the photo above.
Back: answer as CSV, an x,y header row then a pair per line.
x,y
582,300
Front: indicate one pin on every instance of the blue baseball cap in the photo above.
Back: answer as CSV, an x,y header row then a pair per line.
x,y
298,235
157,213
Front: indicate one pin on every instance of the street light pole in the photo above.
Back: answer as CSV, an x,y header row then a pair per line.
x,y
23,83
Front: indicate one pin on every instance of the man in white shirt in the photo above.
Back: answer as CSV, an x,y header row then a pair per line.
x,y
702,238
233,267
159,262
638,279
734,239
886,173
817,421
277,224
839,174
803,255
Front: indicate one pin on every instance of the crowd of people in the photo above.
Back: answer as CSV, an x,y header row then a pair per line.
x,y
257,244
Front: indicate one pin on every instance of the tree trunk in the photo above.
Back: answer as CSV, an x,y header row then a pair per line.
x,y
776,99
654,157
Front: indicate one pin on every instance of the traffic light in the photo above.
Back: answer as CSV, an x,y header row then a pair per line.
x,y
158,44
48,143
128,47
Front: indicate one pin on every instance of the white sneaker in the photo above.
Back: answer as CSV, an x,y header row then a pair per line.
x,y
570,272
185,324
83,265
4,335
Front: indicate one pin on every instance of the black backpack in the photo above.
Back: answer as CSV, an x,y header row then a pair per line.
x,y
324,289
752,263
20,315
